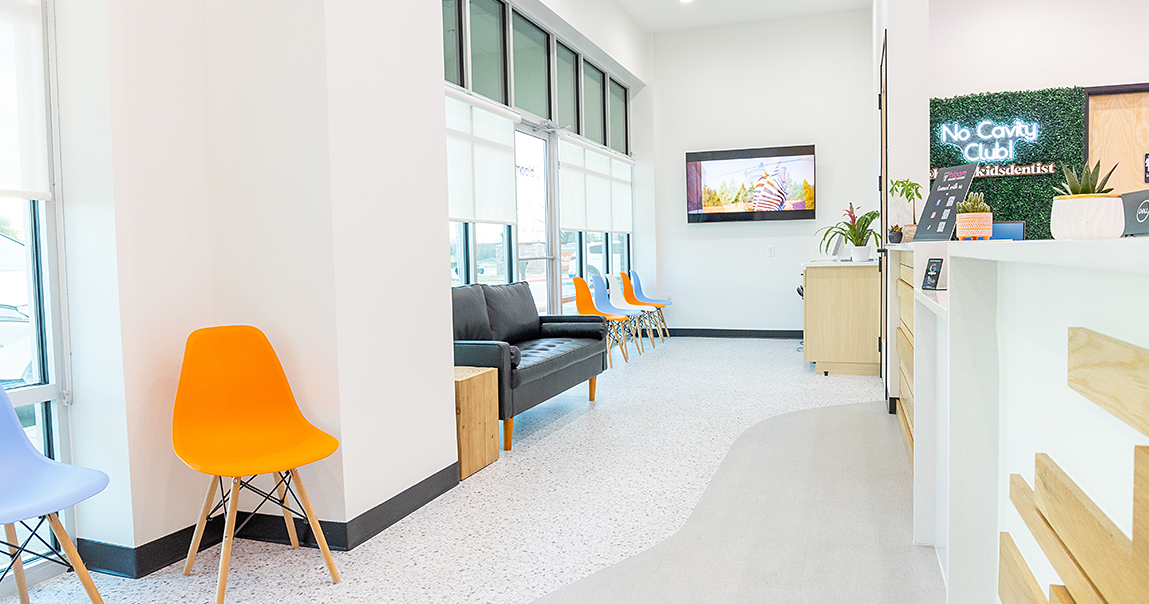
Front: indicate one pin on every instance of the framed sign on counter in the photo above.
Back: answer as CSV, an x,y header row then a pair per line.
x,y
940,213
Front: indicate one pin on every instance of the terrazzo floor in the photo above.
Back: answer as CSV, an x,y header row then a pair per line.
x,y
587,485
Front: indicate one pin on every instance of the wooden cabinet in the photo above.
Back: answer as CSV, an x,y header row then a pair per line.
x,y
476,418
842,317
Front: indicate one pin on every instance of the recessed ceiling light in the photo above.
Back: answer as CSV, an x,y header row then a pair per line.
x,y
687,1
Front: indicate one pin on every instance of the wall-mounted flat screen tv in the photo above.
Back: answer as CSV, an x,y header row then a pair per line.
x,y
774,183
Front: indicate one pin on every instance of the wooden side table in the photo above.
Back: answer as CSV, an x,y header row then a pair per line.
x,y
476,417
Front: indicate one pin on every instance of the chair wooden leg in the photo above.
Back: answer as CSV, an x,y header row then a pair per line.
x,y
213,482
287,516
648,319
508,432
662,320
74,559
636,335
228,537
593,383
315,528
625,357
18,565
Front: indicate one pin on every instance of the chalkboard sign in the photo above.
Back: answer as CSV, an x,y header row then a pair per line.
x,y
940,214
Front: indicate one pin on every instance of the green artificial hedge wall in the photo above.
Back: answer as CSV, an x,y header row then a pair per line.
x,y
1060,113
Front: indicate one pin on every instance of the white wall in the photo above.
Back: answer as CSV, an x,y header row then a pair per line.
x,y
801,80
389,208
1023,44
252,163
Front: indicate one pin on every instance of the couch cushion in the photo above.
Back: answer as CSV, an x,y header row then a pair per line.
x,y
543,357
512,312
469,310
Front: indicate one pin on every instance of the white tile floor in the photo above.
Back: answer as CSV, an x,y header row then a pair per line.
x,y
587,486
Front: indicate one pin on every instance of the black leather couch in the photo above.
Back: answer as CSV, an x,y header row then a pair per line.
x,y
537,356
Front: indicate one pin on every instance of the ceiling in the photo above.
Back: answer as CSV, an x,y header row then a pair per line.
x,y
666,15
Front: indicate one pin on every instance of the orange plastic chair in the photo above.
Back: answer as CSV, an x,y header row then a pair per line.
x,y
616,324
628,295
235,416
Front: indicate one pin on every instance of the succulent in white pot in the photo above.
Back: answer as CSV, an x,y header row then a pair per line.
x,y
1085,209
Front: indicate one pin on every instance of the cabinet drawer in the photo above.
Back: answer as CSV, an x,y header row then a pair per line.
x,y
906,304
906,259
906,273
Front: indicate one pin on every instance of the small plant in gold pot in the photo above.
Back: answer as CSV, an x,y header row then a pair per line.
x,y
974,218
1084,208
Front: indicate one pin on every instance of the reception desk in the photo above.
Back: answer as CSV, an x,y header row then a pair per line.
x,y
841,322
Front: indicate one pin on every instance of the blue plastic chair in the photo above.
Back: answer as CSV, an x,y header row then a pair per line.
x,y
602,302
637,284
33,486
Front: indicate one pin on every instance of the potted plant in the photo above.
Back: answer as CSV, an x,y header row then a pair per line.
x,y
895,234
1084,208
911,192
974,218
856,231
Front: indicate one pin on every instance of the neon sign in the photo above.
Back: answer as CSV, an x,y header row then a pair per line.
x,y
988,141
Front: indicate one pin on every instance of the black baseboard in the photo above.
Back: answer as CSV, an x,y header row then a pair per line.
x,y
703,332
141,561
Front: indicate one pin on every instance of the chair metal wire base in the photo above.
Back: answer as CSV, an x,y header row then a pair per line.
x,y
283,480
54,556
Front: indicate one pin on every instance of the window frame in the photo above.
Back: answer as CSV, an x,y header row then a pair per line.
x,y
625,116
549,49
508,99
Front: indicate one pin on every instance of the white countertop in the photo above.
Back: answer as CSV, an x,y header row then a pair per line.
x,y
901,247
837,263
1126,255
938,301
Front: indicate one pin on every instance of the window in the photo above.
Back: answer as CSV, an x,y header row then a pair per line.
x,y
594,125
619,253
30,368
452,43
595,256
458,253
531,234
567,88
618,133
532,67
492,252
570,266
488,49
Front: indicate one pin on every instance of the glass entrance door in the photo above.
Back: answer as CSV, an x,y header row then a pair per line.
x,y
534,255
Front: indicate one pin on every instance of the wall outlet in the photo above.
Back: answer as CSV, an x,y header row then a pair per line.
x,y
770,251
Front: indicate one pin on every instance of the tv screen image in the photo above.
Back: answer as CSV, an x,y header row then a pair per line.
x,y
774,183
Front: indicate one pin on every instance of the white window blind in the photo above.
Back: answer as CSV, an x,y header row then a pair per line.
x,y
595,188
23,121
480,159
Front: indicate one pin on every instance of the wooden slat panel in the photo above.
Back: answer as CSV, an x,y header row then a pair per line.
x,y
1015,582
1111,373
906,306
1055,551
906,355
1059,595
1141,509
906,274
1102,550
907,433
906,396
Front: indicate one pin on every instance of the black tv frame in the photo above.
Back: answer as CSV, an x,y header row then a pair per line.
x,y
701,156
